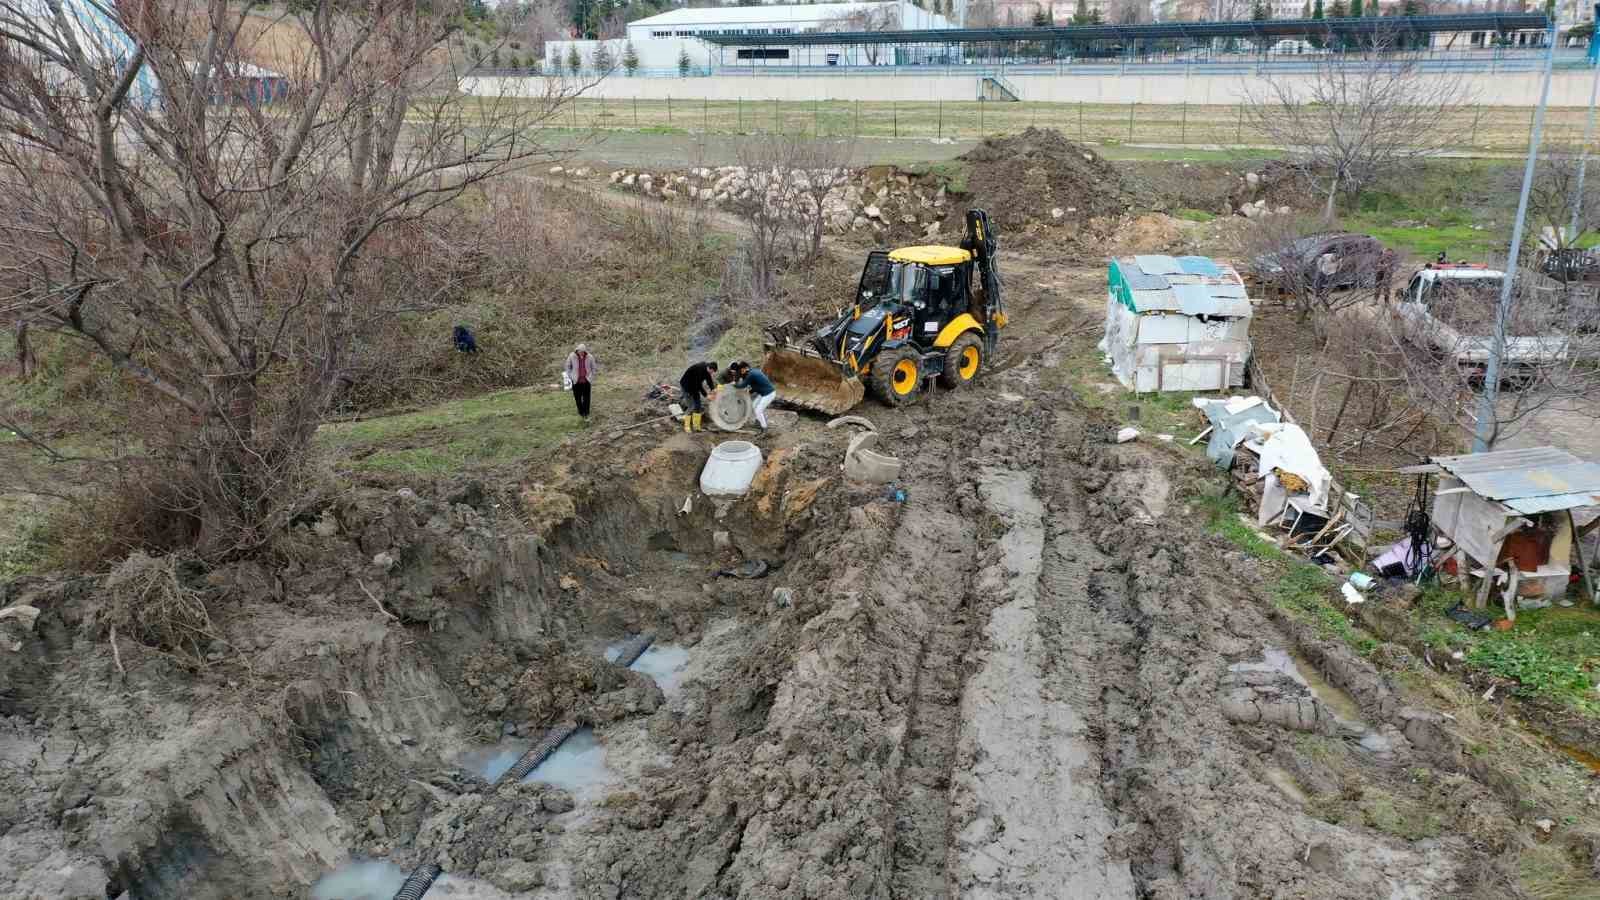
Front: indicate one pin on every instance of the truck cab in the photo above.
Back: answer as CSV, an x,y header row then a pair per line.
x,y
1449,310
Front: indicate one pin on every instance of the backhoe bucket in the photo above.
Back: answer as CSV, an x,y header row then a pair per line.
x,y
812,383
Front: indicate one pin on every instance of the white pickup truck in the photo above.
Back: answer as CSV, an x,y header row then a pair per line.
x,y
1449,310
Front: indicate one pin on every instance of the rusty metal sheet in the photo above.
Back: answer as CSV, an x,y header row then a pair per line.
x,y
1542,478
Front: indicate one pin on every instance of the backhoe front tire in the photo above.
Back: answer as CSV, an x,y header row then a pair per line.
x,y
962,362
897,376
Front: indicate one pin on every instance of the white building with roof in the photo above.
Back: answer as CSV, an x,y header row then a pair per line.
x,y
660,41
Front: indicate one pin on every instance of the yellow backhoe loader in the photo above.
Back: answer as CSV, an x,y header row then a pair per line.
x,y
919,313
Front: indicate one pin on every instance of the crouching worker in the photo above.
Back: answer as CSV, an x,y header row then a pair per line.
x,y
698,383
761,390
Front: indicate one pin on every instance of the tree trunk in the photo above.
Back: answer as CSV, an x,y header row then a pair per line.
x,y
25,360
1333,194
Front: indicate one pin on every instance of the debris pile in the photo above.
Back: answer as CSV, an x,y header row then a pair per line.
x,y
1041,177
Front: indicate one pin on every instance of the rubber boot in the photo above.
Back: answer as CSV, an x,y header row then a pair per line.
x,y
688,422
699,421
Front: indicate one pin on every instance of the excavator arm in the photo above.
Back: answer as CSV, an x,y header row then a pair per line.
x,y
980,242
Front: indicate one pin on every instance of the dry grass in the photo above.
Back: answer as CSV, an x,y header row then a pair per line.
x,y
1487,129
147,599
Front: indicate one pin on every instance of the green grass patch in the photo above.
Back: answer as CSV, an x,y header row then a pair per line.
x,y
950,174
489,430
1551,653
1193,215
24,539
1302,590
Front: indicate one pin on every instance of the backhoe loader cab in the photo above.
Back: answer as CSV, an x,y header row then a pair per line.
x,y
919,312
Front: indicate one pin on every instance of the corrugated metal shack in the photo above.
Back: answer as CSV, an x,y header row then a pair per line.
x,y
1509,516
1176,323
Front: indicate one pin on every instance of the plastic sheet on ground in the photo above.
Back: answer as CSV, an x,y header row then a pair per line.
x,y
1284,447
1230,423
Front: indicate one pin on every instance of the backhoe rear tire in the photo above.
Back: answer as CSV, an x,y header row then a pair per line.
x,y
897,376
962,362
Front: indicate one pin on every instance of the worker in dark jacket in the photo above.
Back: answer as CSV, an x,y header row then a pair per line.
x,y
698,383
760,387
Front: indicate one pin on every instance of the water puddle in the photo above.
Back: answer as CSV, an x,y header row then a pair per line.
x,y
666,664
578,766
1283,781
1579,756
1297,667
379,879
360,879
491,761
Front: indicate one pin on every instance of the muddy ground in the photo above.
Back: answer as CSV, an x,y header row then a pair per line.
x,y
1035,674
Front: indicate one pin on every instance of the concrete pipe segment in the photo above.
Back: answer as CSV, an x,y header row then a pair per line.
x,y
733,464
730,409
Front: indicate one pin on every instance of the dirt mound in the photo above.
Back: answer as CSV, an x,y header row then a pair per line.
x,y
1040,177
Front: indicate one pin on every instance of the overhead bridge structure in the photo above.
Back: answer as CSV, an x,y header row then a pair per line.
x,y
1191,41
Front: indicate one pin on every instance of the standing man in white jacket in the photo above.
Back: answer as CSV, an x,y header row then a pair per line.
x,y
579,377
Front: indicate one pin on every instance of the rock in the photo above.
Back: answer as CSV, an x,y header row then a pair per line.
x,y
1057,212
557,802
908,220
782,598
376,826
1127,434
628,180
583,172
721,540
931,229
1284,210
327,526
514,876
871,212
568,583
668,193
556,170
1252,179
1248,211
617,176
383,561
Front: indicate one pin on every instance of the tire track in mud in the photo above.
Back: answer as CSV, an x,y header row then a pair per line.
x,y
1034,821
920,811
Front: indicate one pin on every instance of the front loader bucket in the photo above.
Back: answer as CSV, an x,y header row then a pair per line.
x,y
812,383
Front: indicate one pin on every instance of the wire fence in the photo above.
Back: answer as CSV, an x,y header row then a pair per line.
x,y
1482,128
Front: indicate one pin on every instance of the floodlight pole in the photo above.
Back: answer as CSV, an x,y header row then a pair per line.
x,y
1502,310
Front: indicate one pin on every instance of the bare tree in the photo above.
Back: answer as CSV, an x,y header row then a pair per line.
x,y
824,169
1359,116
215,232
768,200
875,17
535,22
1553,201
1128,12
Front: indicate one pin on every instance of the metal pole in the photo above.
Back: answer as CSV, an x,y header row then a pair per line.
x,y
1583,152
1502,311
941,117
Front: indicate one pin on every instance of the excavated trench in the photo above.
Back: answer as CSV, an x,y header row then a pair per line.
x,y
1025,674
